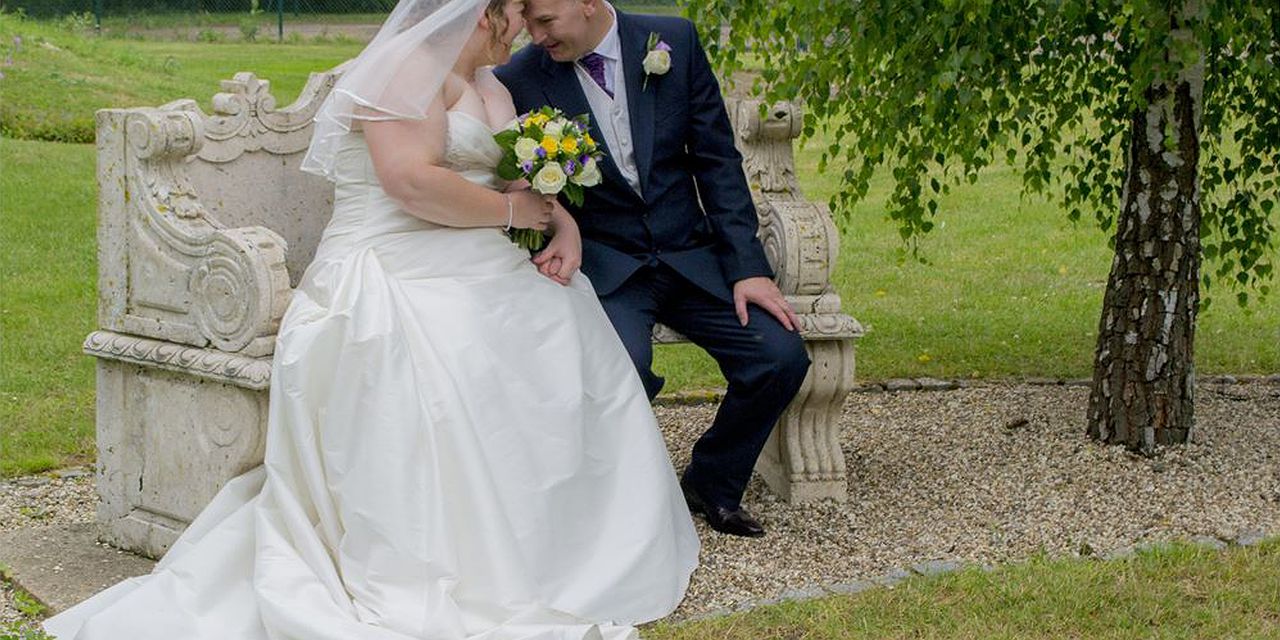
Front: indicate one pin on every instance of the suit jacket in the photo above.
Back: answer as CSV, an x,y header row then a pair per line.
x,y
694,212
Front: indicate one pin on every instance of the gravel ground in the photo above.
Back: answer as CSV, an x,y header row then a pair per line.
x,y
61,497
981,475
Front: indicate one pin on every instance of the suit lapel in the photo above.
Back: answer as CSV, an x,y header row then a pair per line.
x,y
639,100
563,91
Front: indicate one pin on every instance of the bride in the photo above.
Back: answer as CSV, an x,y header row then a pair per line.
x,y
458,445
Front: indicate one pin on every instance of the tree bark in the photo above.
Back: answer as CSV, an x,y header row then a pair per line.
x,y
1143,374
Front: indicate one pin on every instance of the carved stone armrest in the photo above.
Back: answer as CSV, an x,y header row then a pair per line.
x,y
799,238
803,459
169,269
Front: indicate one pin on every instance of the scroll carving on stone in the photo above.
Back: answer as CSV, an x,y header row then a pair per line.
x,y
245,117
803,459
187,278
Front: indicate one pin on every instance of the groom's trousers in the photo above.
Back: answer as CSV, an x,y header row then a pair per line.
x,y
763,363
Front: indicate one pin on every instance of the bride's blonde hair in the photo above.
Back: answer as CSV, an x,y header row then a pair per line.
x,y
497,12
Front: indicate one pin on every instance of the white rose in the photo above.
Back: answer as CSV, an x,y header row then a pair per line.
x,y
589,176
657,62
526,149
555,129
550,180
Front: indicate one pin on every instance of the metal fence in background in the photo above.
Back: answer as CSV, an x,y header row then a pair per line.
x,y
236,19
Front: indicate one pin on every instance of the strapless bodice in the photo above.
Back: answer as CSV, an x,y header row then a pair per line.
x,y
364,216
471,151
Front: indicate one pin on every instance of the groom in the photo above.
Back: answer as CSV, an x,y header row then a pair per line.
x,y
670,234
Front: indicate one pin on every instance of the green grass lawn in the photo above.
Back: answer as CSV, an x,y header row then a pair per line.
x,y
1011,289
1179,591
47,280
58,79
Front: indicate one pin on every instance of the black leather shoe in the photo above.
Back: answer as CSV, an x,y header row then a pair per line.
x,y
735,522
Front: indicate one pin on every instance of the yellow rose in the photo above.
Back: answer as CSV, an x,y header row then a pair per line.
x,y
550,145
570,145
591,144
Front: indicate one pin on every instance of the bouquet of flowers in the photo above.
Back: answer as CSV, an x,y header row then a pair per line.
x,y
554,153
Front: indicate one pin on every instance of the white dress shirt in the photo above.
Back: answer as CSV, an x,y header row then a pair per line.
x,y
611,113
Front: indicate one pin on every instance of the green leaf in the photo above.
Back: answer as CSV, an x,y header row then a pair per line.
x,y
506,137
507,168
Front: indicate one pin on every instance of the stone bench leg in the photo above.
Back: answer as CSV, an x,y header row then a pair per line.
x,y
803,461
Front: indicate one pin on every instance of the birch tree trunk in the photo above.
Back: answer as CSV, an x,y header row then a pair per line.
x,y
1144,374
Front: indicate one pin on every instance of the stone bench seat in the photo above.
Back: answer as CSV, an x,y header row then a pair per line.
x,y
206,224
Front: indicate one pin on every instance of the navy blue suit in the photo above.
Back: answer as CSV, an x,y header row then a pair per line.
x,y
672,253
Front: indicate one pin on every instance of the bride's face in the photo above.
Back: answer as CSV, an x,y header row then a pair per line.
x,y
500,43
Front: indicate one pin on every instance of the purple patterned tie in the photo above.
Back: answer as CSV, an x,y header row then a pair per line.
x,y
594,63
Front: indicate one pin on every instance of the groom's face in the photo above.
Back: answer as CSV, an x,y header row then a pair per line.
x,y
566,29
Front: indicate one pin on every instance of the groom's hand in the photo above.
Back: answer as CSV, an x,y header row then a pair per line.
x,y
763,293
563,254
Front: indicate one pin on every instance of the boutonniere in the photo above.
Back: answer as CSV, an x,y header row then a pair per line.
x,y
657,61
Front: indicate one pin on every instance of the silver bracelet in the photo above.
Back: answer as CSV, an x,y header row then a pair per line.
x,y
511,212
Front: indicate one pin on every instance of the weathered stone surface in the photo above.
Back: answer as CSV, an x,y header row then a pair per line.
x,y
892,577
62,565
936,567
1208,541
166,443
934,384
1118,553
806,593
851,588
1250,538
901,384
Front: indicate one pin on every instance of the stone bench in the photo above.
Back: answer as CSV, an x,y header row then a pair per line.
x,y
206,224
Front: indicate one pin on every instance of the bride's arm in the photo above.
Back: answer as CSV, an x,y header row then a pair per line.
x,y
407,155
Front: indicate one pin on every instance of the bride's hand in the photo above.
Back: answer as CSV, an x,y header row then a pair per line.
x,y
563,254
530,210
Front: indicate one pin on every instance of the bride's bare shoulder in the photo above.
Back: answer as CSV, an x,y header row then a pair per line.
x,y
497,98
488,82
455,87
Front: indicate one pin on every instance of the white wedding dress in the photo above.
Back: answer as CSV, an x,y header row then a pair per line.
x,y
459,448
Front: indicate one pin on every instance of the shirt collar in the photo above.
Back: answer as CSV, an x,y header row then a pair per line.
x,y
611,46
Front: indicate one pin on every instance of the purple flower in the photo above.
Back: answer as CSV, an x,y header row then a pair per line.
x,y
542,153
527,166
570,166
662,46
17,43
582,159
